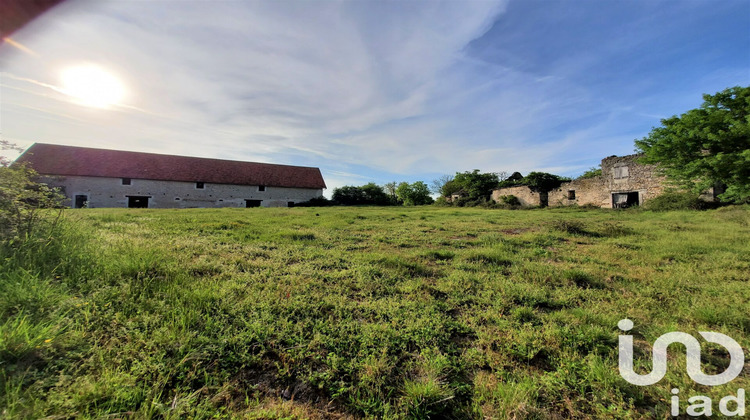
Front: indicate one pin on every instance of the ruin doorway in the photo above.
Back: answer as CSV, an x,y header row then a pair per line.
x,y
138,202
625,200
543,199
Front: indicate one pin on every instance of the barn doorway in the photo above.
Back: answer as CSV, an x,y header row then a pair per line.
x,y
625,200
253,203
138,202
81,201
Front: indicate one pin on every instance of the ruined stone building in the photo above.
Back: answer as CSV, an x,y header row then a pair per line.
x,y
624,182
110,178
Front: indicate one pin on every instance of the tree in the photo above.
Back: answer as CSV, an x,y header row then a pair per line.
x,y
370,193
374,194
542,181
476,185
415,194
348,195
706,146
390,189
591,173
439,183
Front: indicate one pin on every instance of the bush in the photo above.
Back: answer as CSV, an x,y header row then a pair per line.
x,y
315,202
677,201
25,205
442,201
510,200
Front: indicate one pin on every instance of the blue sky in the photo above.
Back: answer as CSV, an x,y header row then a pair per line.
x,y
376,91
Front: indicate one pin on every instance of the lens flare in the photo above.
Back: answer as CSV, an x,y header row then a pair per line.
x,y
92,86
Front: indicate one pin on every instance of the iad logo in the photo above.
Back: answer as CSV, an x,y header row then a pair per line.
x,y
702,404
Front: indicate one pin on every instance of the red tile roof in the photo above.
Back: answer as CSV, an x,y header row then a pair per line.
x,y
50,159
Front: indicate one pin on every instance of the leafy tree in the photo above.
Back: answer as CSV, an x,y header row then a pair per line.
x,y
371,193
591,173
374,194
415,194
449,188
706,146
348,195
542,181
476,185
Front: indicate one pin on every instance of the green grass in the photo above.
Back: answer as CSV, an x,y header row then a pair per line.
x,y
365,312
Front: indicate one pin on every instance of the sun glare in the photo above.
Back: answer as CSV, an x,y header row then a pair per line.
x,y
92,86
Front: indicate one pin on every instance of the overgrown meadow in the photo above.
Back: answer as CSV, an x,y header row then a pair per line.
x,y
365,312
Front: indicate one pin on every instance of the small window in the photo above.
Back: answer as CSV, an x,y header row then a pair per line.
x,y
126,181
177,199
571,194
621,172
199,185
252,203
262,188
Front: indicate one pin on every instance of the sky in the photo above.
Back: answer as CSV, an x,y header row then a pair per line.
x,y
374,91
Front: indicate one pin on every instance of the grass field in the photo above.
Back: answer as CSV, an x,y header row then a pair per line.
x,y
366,312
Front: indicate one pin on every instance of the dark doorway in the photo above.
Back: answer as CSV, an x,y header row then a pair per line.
x,y
253,203
543,199
81,201
290,203
625,200
138,202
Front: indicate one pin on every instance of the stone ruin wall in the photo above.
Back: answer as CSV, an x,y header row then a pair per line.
x,y
589,191
597,191
642,178
527,197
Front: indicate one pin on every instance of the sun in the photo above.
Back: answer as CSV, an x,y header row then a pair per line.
x,y
92,86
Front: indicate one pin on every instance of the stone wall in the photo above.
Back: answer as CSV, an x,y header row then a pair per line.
x,y
110,192
624,174
590,191
527,197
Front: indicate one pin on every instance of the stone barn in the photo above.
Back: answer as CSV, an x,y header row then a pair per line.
x,y
111,178
624,182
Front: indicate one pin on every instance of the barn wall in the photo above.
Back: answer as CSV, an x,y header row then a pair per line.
x,y
109,192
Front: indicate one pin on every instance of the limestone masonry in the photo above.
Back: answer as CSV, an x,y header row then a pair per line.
x,y
110,178
624,182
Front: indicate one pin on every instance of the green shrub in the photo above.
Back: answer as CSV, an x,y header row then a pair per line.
x,y
677,201
510,199
315,202
508,202
442,201
23,202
